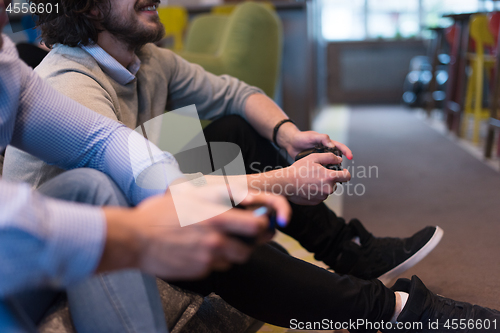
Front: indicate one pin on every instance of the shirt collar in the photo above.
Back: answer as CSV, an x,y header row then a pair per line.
x,y
111,66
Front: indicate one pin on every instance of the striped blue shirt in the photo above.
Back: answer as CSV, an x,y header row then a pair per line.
x,y
111,66
44,242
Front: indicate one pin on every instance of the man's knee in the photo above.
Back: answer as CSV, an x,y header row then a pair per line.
x,y
86,178
84,186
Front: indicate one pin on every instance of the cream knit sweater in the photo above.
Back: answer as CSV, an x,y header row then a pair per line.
x,y
164,81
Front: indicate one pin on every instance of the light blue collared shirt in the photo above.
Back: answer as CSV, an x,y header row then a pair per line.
x,y
111,66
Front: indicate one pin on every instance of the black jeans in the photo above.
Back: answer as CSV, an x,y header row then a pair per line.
x,y
275,287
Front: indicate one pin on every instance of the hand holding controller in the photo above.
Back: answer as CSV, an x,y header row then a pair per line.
x,y
322,149
271,214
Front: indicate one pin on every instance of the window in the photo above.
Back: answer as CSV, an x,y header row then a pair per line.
x,y
371,19
392,18
343,20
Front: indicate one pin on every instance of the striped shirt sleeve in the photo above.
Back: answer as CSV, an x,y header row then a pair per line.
x,y
44,241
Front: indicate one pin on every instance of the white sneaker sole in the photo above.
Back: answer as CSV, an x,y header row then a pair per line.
x,y
414,259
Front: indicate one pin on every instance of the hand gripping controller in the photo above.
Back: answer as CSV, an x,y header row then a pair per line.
x,y
271,214
322,149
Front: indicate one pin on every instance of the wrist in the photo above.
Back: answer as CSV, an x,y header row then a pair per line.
x,y
285,135
123,245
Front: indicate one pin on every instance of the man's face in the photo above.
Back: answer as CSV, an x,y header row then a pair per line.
x,y
134,22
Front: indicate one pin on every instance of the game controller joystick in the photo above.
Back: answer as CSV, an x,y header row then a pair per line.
x,y
322,149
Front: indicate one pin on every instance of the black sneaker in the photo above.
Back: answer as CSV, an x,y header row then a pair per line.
x,y
428,312
383,258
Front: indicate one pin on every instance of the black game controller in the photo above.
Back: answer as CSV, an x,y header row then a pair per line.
x,y
322,149
271,214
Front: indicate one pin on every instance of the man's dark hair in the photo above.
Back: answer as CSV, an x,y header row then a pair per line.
x,y
74,23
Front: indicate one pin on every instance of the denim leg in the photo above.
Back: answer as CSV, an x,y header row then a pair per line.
x,y
22,311
86,186
125,301
13,319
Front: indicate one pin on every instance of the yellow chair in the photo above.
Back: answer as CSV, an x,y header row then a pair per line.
x,y
228,9
223,9
480,63
175,20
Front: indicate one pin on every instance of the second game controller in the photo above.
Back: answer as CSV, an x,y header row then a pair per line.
x,y
271,214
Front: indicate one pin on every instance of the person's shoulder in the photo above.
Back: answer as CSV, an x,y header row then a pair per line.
x,y
63,59
73,72
8,47
8,52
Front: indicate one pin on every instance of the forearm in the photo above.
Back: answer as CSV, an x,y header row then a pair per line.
x,y
123,244
261,182
263,114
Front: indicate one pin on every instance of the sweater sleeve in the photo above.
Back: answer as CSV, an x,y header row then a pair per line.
x,y
214,96
86,139
23,167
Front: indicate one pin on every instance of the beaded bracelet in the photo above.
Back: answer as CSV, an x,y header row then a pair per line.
x,y
277,127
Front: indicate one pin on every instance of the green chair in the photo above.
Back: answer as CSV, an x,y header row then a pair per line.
x,y
246,44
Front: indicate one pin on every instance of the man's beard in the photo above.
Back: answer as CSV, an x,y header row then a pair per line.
x,y
131,32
